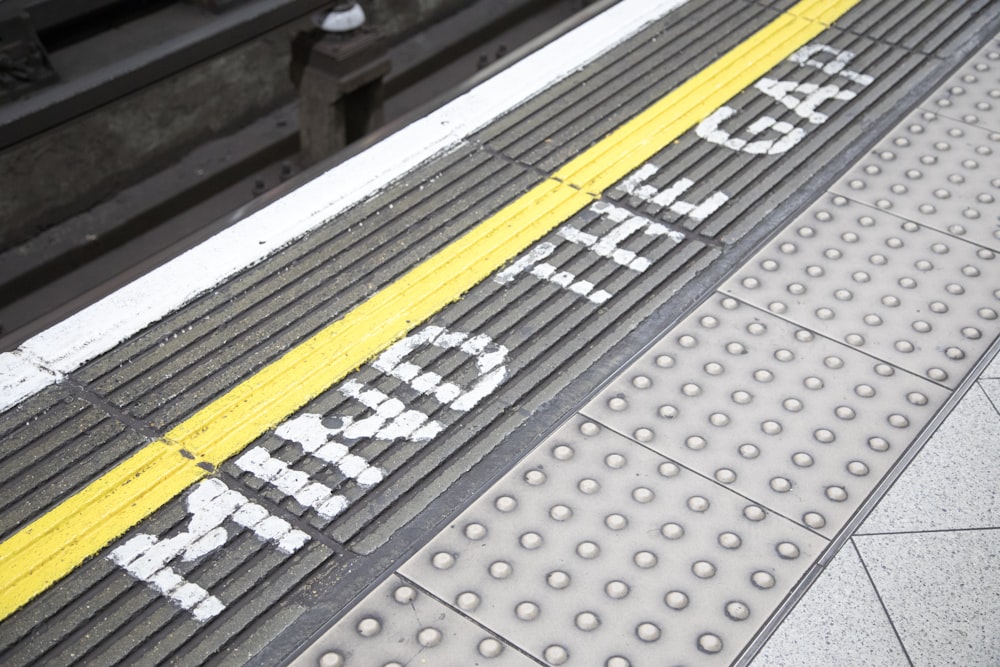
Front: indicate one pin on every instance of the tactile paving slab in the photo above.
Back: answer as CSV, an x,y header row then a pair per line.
x,y
596,551
397,624
936,171
972,95
917,298
797,422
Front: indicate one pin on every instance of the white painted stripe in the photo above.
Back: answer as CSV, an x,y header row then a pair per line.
x,y
99,328
19,379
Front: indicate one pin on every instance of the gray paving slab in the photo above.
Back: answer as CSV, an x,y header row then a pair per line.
x,y
799,423
972,95
951,484
840,621
993,370
594,549
931,309
992,389
942,592
961,162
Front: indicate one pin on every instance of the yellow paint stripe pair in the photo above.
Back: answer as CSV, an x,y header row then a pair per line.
x,y
49,548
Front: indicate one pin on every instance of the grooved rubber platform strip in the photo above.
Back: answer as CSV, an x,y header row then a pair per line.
x,y
180,364
554,127
728,154
271,545
62,441
924,26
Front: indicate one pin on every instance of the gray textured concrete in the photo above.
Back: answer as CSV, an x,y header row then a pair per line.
x,y
942,591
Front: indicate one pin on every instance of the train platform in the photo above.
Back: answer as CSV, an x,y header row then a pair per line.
x,y
672,343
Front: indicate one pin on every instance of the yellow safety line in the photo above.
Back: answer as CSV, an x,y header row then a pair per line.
x,y
53,545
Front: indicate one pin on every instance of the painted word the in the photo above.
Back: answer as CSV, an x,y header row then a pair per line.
x,y
636,186
607,246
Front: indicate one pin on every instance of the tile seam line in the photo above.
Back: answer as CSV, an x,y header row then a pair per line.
x,y
461,613
900,216
881,602
53,545
955,119
103,325
755,501
929,531
805,327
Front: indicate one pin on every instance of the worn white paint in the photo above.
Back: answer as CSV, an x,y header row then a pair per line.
x,y
390,419
21,378
319,440
802,98
607,246
260,463
830,60
636,186
99,328
533,256
489,357
812,95
209,504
